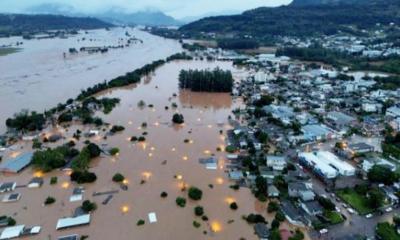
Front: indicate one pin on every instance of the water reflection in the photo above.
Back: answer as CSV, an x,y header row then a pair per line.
x,y
214,101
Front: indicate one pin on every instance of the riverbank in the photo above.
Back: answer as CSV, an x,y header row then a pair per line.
x,y
39,77
156,161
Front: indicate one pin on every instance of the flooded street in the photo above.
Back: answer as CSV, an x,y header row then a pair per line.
x,y
38,76
150,168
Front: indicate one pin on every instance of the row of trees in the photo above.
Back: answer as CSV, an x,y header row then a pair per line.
x,y
29,121
49,159
238,44
130,77
216,80
32,121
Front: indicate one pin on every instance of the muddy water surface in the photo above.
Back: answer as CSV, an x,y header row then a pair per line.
x,y
38,77
150,168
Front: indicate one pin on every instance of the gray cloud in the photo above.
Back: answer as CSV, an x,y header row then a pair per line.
x,y
176,8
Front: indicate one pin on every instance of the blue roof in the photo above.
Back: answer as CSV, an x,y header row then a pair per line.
x,y
17,164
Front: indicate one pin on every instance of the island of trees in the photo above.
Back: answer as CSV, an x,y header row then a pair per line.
x,y
216,80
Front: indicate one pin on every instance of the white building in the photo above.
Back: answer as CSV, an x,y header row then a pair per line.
x,y
341,166
368,164
319,166
371,107
393,112
278,163
73,221
395,124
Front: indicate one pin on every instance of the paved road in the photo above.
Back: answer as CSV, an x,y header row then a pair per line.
x,y
354,224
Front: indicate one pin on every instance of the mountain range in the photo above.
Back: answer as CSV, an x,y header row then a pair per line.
x,y
113,15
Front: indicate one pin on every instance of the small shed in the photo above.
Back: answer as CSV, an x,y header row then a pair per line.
x,y
14,197
36,182
69,237
152,217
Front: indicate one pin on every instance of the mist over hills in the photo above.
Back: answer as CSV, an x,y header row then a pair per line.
x,y
17,24
113,15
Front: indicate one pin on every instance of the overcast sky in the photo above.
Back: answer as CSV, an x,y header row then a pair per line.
x,y
176,8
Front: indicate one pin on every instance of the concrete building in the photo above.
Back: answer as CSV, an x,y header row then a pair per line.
x,y
341,166
278,163
317,132
393,112
319,167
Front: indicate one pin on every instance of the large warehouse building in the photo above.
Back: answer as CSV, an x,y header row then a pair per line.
x,y
326,164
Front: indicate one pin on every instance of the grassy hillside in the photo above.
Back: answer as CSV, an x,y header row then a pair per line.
x,y
300,20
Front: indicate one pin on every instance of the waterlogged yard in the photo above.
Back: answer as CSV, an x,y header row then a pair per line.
x,y
334,217
355,200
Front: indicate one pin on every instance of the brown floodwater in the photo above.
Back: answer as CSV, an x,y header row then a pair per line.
x,y
163,156
38,76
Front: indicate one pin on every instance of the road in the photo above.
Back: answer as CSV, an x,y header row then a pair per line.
x,y
354,224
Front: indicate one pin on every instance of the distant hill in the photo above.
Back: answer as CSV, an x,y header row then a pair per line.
x,y
301,18
148,18
113,15
16,24
333,2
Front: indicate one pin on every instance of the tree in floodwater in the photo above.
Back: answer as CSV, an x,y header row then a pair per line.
x,y
216,80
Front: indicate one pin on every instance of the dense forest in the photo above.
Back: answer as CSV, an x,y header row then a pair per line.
x,y
216,80
17,24
299,20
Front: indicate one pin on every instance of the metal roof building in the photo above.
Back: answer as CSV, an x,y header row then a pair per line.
x,y
69,237
342,167
319,166
17,164
12,232
73,221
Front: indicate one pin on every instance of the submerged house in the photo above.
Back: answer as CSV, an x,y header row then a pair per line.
x,y
69,237
19,231
7,187
73,221
262,231
301,190
16,165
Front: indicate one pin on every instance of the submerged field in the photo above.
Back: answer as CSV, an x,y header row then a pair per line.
x,y
7,51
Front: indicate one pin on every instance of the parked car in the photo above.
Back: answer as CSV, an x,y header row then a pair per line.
x,y
369,215
389,209
337,209
351,211
323,231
